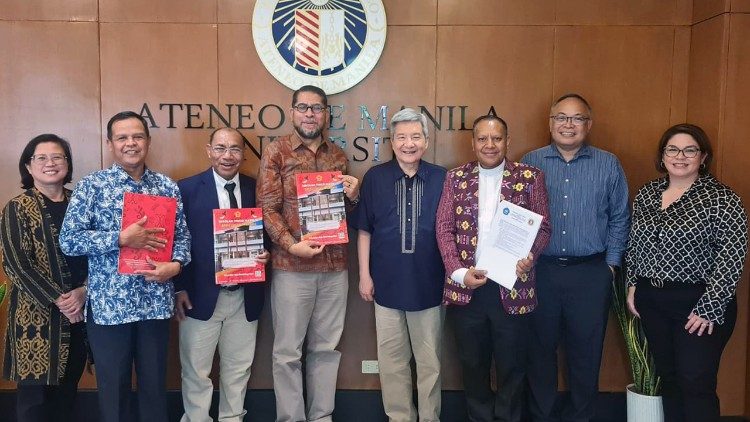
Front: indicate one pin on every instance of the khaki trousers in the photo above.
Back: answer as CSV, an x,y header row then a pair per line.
x,y
229,329
311,307
401,333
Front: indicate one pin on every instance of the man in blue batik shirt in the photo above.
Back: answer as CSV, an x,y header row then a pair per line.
x,y
127,316
401,269
588,209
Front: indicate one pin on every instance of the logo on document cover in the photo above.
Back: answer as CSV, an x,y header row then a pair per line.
x,y
332,44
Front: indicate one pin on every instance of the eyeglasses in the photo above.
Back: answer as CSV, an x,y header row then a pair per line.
x,y
316,108
221,150
43,158
688,152
576,120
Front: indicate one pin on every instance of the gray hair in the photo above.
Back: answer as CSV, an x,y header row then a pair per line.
x,y
410,115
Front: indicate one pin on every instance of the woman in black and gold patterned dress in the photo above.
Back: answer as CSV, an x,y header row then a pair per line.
x,y
45,350
685,255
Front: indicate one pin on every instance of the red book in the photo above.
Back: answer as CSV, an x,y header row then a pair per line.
x,y
238,240
322,213
161,212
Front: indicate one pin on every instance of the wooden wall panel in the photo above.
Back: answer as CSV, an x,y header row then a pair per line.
x,y
616,12
168,63
740,6
413,12
196,11
52,87
598,63
706,9
235,11
707,85
404,76
734,173
507,67
680,75
496,12
244,80
49,10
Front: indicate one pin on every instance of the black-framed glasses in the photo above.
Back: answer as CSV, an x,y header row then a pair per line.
x,y
43,158
316,108
576,120
221,150
688,152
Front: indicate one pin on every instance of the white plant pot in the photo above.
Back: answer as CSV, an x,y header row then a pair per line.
x,y
644,408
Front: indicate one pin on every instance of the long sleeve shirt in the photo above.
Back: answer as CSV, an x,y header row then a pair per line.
x,y
701,238
92,227
588,202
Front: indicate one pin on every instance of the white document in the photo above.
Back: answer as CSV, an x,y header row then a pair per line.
x,y
511,237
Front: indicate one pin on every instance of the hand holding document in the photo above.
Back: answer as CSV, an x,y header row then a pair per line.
x,y
511,237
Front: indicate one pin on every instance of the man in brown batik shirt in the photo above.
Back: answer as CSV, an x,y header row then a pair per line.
x,y
309,284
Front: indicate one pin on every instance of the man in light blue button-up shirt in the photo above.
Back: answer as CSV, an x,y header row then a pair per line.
x,y
127,315
588,208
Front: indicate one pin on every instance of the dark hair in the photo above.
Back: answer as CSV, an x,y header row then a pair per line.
x,y
489,118
694,132
125,115
27,181
573,95
314,90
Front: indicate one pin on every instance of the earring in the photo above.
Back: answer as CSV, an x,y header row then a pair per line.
x,y
661,164
703,166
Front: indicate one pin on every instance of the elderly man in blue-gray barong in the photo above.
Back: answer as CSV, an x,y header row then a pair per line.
x,y
401,270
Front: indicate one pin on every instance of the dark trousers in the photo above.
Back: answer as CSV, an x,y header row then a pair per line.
x,y
54,402
574,303
116,349
483,331
687,363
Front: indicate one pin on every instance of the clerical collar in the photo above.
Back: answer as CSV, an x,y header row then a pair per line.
x,y
493,171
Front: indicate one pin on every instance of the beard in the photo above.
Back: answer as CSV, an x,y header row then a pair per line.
x,y
308,134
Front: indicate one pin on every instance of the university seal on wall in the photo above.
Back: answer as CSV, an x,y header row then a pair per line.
x,y
332,44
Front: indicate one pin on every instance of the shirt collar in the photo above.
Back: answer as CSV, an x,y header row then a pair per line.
x,y
123,175
220,181
497,171
396,173
297,142
702,179
552,151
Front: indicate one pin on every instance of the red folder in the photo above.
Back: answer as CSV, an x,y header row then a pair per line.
x,y
161,212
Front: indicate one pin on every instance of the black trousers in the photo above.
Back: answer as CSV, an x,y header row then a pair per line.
x,y
116,348
688,364
574,303
41,403
485,331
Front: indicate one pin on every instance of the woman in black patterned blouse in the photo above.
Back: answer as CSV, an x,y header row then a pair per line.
x,y
45,351
685,255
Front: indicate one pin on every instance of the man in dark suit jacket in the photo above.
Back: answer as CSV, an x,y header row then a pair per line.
x,y
210,314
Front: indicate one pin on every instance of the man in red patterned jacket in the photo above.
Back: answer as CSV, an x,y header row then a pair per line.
x,y
490,320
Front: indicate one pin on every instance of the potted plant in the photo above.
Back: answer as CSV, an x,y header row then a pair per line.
x,y
643,400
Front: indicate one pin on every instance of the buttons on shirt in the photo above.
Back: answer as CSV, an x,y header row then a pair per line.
x,y
564,232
